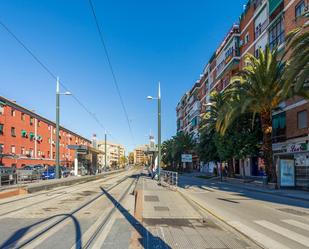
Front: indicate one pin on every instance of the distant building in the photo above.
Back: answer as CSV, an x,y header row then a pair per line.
x,y
140,156
114,152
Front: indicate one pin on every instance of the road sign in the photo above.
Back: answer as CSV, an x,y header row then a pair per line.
x,y
186,158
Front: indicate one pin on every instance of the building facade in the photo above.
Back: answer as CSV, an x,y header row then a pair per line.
x,y
262,22
27,138
114,152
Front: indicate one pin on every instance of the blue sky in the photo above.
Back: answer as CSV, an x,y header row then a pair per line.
x,y
148,41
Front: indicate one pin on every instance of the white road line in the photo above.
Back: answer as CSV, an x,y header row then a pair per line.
x,y
285,232
257,236
297,224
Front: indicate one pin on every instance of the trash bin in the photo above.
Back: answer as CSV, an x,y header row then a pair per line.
x,y
265,180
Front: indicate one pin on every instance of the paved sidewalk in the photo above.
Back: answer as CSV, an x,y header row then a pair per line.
x,y
254,186
174,222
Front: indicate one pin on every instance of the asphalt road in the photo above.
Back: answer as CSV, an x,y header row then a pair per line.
x,y
272,221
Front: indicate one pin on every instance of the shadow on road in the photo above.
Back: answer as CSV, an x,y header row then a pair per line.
x,y
19,234
147,240
239,191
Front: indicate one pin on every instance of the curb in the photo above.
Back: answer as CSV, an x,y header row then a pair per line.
x,y
259,190
270,193
218,217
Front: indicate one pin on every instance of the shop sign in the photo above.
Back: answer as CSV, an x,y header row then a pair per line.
x,y
297,147
186,158
287,175
279,148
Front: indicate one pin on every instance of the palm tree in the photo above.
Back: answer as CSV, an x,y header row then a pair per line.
x,y
298,61
258,89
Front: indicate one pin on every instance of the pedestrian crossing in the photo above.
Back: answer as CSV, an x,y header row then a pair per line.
x,y
263,231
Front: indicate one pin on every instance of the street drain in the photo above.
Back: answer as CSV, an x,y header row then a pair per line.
x,y
293,211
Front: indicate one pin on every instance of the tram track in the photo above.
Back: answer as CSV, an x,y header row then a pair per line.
x,y
54,197
35,236
57,189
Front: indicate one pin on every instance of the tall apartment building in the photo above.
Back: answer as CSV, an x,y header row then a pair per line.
x,y
27,138
114,153
262,22
141,155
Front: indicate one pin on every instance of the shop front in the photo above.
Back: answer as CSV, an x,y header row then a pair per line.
x,y
292,163
86,159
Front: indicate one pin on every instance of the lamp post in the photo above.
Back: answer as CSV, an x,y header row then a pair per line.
x,y
159,127
58,126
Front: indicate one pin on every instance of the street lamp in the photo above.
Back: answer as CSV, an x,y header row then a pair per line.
x,y
159,127
58,125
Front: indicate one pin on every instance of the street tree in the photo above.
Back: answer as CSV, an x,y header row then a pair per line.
x,y
258,89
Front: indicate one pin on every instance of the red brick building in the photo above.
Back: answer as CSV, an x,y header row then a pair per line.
x,y
264,22
27,138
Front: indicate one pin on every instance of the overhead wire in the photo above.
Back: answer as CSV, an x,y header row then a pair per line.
x,y
51,74
98,27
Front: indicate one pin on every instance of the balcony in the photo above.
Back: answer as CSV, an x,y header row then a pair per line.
x,y
230,55
260,28
277,41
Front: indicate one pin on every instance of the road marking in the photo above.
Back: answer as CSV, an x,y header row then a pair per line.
x,y
297,224
257,236
285,232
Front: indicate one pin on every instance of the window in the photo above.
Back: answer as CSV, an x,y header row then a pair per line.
x,y
302,119
276,33
13,150
23,151
247,38
23,116
31,120
1,148
13,132
31,152
300,9
279,127
1,129
256,53
12,112
39,123
1,109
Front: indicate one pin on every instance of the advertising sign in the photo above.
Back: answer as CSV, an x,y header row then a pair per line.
x,y
287,173
186,158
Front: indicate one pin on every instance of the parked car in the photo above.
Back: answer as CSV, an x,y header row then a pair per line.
x,y
65,172
39,167
28,173
6,174
49,173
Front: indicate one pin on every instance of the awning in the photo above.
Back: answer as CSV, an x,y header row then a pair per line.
x,y
23,133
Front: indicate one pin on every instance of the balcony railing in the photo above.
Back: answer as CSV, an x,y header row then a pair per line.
x,y
277,40
279,135
260,28
221,66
